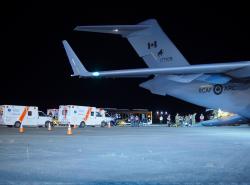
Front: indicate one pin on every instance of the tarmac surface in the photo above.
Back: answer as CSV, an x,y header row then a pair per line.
x,y
124,155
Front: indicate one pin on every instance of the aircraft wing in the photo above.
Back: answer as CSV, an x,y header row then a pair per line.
x,y
232,69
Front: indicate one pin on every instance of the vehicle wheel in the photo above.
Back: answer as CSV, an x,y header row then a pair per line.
x,y
47,124
9,125
112,123
103,124
82,124
17,124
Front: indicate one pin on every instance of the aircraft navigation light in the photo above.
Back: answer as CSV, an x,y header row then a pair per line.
x,y
95,73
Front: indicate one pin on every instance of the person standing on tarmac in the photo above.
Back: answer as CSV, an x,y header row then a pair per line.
x,y
193,119
186,120
168,120
201,118
190,120
177,120
137,121
132,120
161,119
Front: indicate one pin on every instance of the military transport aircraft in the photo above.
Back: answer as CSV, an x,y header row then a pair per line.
x,y
218,85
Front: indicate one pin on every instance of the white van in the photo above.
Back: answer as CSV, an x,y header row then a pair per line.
x,y
15,115
82,116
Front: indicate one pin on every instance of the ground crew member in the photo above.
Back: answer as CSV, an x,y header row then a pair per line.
x,y
177,120
132,120
201,118
137,121
161,119
193,119
168,120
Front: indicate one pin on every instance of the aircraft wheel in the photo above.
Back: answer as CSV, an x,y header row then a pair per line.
x,y
103,124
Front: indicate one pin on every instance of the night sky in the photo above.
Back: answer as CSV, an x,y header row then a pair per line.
x,y
36,71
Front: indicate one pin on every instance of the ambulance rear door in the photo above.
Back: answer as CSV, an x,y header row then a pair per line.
x,y
64,114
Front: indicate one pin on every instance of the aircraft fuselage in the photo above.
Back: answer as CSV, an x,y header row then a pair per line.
x,y
232,97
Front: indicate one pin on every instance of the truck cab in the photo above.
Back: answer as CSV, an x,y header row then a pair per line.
x,y
43,119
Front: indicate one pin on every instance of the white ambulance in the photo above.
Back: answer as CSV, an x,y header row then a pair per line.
x,y
82,116
15,115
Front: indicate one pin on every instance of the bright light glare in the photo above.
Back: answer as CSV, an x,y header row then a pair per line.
x,y
95,73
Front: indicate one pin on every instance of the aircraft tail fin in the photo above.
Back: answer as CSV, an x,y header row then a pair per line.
x,y
149,41
78,68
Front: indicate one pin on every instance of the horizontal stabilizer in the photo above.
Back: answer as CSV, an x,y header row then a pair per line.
x,y
113,29
148,40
